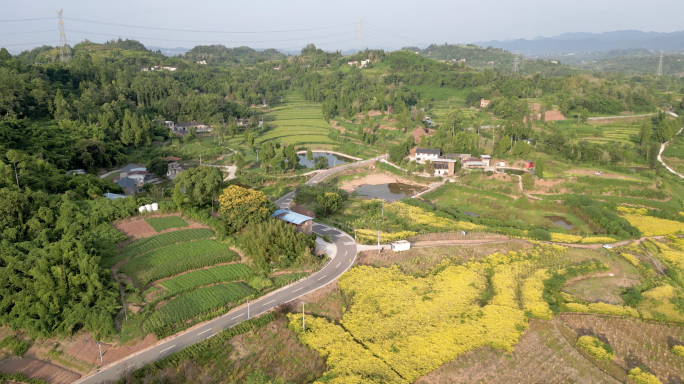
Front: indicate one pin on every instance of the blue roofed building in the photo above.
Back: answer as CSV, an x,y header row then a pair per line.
x,y
113,196
301,222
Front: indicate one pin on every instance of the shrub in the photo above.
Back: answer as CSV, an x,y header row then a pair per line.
x,y
678,350
643,377
275,243
632,296
17,346
603,217
539,234
596,348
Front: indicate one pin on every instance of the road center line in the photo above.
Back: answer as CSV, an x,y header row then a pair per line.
x,y
338,264
237,316
203,332
321,278
272,301
298,289
123,369
167,348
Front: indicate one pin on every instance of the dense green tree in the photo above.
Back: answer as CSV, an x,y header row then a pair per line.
x,y
527,181
158,166
197,186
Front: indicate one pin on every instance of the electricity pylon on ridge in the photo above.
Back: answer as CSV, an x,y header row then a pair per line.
x,y
516,63
64,51
660,65
361,31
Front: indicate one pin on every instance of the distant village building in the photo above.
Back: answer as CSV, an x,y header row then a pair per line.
x,y
174,167
423,154
300,222
183,128
554,62
473,163
486,159
170,69
203,62
462,61
360,64
113,196
529,164
276,68
75,172
484,103
130,186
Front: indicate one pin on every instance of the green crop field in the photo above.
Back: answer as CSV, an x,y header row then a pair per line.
x,y
143,245
297,121
195,303
174,259
161,223
194,279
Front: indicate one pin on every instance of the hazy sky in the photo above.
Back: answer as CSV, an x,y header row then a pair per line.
x,y
390,24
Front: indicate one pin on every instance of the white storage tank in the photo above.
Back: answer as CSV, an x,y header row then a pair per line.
x,y
155,206
400,245
141,209
148,207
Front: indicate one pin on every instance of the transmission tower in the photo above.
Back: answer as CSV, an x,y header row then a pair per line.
x,y
660,65
362,28
64,51
516,63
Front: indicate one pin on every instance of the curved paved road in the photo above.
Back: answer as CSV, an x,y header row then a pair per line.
x,y
344,258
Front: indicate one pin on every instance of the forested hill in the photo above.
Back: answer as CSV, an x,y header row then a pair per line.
x,y
475,56
221,55
489,58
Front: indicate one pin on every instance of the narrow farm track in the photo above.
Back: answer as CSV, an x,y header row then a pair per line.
x,y
344,258
660,158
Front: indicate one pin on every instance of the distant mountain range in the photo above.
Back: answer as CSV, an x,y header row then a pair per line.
x,y
575,42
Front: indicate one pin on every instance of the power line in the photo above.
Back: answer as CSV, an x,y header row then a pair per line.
x,y
12,21
394,34
14,45
26,33
198,31
211,41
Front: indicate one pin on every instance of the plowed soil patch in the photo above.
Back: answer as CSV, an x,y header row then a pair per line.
x,y
36,369
138,227
87,350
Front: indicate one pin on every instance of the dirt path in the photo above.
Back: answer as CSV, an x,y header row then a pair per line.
x,y
374,179
660,158
37,369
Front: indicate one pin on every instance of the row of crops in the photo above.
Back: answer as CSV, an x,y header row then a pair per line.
x,y
178,258
158,241
195,303
202,277
163,223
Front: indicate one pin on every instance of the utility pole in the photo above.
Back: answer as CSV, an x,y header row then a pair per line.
x,y
247,309
378,242
16,175
303,321
659,72
64,51
257,151
99,346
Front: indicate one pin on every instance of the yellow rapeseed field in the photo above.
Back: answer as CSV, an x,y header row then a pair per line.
x,y
564,238
421,217
653,226
597,240
595,347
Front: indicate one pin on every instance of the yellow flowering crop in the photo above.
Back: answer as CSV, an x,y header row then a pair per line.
x,y
595,347
641,377
348,360
633,211
532,292
603,308
674,257
597,240
385,237
678,350
417,324
421,217
632,260
564,238
653,226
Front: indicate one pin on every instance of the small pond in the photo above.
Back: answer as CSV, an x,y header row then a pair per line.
x,y
560,221
471,214
511,171
388,191
638,169
332,160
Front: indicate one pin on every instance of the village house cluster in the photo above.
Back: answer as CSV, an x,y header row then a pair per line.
x,y
445,165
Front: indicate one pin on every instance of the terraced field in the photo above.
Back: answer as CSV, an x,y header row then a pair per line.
x,y
178,258
297,122
194,279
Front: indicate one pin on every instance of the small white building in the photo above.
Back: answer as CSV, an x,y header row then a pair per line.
x,y
485,159
400,245
423,154
170,69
